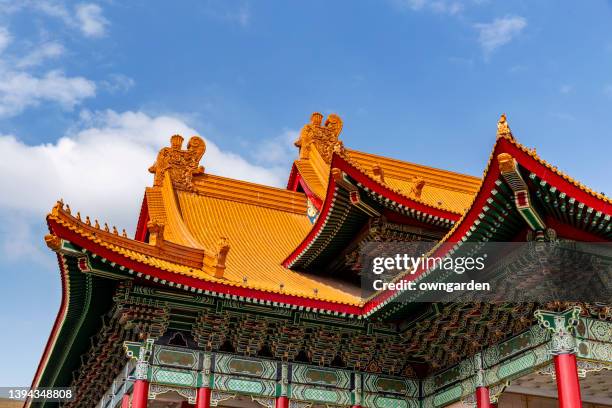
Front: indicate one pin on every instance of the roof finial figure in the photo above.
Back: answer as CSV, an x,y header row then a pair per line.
x,y
503,130
223,248
325,138
180,164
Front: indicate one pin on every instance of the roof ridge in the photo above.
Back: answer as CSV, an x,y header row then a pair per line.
x,y
250,193
459,177
555,169
398,191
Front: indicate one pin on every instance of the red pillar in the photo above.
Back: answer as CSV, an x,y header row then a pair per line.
x,y
482,397
568,386
203,398
356,406
125,401
140,394
282,402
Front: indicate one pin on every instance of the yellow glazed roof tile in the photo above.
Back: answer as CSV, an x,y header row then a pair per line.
x,y
442,189
259,238
188,261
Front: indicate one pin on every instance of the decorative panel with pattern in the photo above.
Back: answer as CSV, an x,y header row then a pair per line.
x,y
321,376
320,394
379,383
229,364
245,385
173,356
184,378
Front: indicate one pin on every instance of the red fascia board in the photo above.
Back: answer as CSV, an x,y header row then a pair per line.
x,y
296,180
59,320
554,179
143,220
292,182
217,287
365,180
569,231
323,214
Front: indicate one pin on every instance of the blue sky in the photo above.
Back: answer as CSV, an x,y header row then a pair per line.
x,y
90,91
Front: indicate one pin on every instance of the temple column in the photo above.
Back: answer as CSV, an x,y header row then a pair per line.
x,y
282,402
140,394
203,398
568,386
203,395
563,349
125,401
483,399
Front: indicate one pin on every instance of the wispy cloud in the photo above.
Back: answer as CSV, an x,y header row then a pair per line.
x,y
90,20
607,89
21,90
499,32
117,83
437,6
41,53
5,39
277,151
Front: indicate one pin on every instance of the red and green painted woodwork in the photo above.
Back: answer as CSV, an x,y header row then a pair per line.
x,y
183,369
141,352
562,327
522,200
359,342
350,206
268,380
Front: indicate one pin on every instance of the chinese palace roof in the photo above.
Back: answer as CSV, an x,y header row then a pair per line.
x,y
225,237
211,240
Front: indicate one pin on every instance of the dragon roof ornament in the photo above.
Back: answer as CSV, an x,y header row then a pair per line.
x,y
325,137
503,130
181,165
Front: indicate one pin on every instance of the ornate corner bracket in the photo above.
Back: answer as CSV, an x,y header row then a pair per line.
x,y
562,327
141,352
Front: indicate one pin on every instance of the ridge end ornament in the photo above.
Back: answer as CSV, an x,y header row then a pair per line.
x,y
181,165
324,137
503,130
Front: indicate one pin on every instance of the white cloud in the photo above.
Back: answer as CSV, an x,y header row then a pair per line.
x,y
40,54
499,32
20,90
5,39
277,150
566,88
85,17
100,169
608,89
90,20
